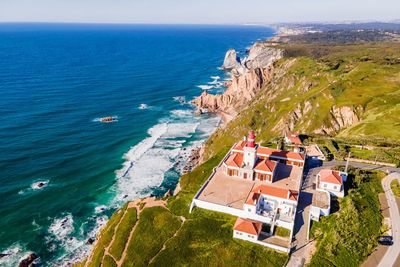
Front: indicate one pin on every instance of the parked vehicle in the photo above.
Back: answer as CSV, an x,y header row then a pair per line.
x,y
386,240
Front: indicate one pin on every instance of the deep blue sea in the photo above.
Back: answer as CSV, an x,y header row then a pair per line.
x,y
56,81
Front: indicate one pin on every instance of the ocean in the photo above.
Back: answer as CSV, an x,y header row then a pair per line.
x,y
62,171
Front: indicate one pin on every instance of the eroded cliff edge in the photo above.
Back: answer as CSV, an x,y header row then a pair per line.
x,y
249,75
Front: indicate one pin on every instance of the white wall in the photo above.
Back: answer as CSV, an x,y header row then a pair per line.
x,y
235,212
330,187
245,236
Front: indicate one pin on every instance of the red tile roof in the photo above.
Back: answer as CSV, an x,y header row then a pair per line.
x,y
253,196
279,153
240,145
265,165
330,176
294,138
248,226
277,192
235,160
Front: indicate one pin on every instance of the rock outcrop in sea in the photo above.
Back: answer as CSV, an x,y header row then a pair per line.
x,y
249,75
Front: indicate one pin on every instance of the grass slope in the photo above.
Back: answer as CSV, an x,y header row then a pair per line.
x,y
348,236
313,79
122,233
155,226
364,77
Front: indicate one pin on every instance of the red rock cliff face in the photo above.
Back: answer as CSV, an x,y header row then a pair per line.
x,y
239,91
249,77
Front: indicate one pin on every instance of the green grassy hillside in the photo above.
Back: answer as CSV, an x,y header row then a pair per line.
x,y
365,78
170,236
310,87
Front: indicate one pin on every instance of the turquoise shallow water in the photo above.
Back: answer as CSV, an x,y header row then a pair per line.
x,y
56,80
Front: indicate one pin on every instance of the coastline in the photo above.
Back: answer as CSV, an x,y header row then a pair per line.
x,y
194,159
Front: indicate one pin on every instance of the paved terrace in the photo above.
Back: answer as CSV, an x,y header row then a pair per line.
x,y
321,199
233,192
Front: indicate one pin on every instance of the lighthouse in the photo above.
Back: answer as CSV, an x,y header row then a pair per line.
x,y
250,153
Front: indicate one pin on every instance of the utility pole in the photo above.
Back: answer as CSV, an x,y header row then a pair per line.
x,y
347,162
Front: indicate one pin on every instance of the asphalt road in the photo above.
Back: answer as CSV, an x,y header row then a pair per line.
x,y
393,252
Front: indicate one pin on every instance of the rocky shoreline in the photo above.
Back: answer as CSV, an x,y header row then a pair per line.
x,y
249,75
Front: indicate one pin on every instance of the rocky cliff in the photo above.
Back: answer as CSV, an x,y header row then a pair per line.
x,y
249,75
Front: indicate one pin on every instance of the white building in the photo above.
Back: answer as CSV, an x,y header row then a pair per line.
x,y
292,138
247,229
260,186
331,181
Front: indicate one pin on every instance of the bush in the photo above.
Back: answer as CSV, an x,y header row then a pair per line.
x,y
395,186
282,231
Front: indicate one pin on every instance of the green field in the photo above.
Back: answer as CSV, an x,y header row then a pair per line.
x,y
348,236
395,186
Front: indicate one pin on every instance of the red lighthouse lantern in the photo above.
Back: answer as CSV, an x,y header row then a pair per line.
x,y
251,139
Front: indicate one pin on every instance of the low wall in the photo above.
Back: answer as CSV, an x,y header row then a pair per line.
x,y
225,209
372,162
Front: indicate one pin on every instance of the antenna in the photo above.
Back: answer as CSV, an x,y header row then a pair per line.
x,y
347,162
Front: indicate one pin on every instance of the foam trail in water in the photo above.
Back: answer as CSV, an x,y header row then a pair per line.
x,y
205,87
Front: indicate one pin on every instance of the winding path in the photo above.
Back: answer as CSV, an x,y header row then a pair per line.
x,y
393,252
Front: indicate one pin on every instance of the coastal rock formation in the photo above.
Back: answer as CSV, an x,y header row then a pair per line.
x,y
300,118
240,90
343,117
231,60
248,77
28,261
262,55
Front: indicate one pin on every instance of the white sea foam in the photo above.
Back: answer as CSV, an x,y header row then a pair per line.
x,y
178,129
14,254
205,87
180,99
100,208
215,77
77,248
61,228
147,162
39,184
34,186
143,106
182,113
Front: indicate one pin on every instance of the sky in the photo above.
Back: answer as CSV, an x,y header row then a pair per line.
x,y
197,11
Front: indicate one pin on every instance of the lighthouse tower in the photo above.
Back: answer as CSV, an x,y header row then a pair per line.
x,y
250,155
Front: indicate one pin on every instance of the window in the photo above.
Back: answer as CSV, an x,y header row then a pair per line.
x,y
245,175
335,187
249,210
325,185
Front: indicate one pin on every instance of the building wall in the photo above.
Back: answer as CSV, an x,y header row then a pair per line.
x,y
263,177
225,209
330,187
244,236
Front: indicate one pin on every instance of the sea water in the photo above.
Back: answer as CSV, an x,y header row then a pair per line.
x,y
62,171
